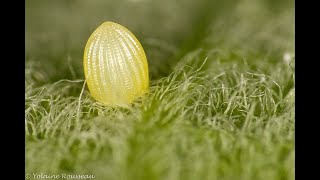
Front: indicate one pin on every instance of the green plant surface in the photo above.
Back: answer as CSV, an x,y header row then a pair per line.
x,y
221,104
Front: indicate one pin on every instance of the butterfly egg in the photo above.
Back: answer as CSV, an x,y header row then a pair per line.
x,y
115,65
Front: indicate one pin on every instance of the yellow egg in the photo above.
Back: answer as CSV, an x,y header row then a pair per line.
x,y
115,65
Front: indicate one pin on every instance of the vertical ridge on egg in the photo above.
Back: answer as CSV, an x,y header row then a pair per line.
x,y
115,65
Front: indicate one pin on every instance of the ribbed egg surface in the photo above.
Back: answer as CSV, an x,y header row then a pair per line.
x,y
115,65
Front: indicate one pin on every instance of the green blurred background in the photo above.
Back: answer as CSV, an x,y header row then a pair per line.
x,y
57,31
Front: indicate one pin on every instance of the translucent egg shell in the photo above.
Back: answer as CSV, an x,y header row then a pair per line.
x,y
115,65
